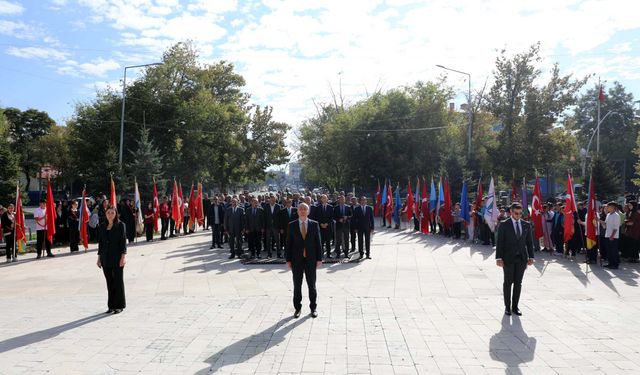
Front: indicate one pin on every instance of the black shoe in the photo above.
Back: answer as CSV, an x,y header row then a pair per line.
x,y
252,257
231,256
110,311
296,314
50,256
219,246
39,256
507,312
260,256
117,311
517,311
314,314
211,247
279,256
368,257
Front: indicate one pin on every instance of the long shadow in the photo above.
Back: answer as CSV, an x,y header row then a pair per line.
x,y
249,347
512,345
22,260
45,334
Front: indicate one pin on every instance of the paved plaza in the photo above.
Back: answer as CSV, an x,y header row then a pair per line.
x,y
422,305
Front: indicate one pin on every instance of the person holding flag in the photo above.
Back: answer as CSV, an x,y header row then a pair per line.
x,y
84,221
591,224
156,207
8,223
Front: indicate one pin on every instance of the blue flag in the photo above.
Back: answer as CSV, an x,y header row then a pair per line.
x,y
397,207
464,204
384,195
432,196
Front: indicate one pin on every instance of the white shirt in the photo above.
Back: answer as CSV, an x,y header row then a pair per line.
x,y
612,223
40,213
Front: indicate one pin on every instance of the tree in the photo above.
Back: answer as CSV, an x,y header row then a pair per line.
x,y
8,161
53,150
607,181
25,128
146,166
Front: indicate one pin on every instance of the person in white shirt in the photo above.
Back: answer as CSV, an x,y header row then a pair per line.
x,y
40,216
612,234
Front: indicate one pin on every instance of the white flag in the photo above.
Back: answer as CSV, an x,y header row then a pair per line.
x,y
139,219
491,211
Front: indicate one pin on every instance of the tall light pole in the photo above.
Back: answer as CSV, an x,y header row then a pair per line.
x,y
469,130
597,131
124,94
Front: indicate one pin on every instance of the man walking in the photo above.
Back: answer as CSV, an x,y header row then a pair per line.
x,y
304,256
514,252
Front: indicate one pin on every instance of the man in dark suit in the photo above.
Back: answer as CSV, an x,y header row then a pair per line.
x,y
324,215
287,215
255,227
304,256
342,215
215,218
272,227
363,220
514,251
206,204
234,227
352,226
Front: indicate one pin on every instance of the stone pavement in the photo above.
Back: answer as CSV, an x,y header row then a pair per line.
x,y
422,305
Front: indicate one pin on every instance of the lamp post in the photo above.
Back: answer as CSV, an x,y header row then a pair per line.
x,y
597,131
124,94
469,130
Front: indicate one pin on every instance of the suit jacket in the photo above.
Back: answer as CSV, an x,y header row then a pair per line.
x,y
272,220
511,248
255,221
294,251
234,223
323,215
211,213
363,218
337,214
286,217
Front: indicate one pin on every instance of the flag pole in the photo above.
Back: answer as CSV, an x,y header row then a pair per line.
x,y
15,227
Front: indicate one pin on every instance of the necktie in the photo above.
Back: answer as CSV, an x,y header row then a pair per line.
x,y
518,228
303,230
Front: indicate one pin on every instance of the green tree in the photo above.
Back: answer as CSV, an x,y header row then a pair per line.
x,y
146,166
53,150
25,128
607,181
9,163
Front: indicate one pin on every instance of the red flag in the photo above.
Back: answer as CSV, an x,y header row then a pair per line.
x,y
377,207
569,209
181,202
591,222
50,213
601,94
389,204
199,206
84,220
20,228
192,209
409,201
479,195
112,198
156,207
424,221
536,210
175,204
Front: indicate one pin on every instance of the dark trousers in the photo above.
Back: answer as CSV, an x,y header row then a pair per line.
x,y
172,227
271,235
164,223
115,287
308,270
235,243
613,254
148,229
513,274
592,254
457,230
8,240
366,236
41,239
354,235
185,224
216,237
325,237
74,238
342,238
254,242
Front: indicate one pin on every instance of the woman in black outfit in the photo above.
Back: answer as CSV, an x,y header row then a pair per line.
x,y
112,248
74,228
149,215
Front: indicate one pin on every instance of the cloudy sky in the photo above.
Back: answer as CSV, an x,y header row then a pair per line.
x,y
54,53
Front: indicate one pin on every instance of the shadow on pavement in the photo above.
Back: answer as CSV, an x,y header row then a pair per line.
x,y
45,334
511,345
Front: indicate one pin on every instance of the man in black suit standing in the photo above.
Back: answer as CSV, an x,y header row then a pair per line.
x,y
272,227
514,252
324,216
234,227
304,256
342,214
215,218
352,226
255,227
363,220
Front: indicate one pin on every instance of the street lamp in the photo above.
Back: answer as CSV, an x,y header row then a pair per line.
x,y
597,131
124,94
468,105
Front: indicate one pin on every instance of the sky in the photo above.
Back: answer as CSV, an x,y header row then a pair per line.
x,y
57,53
